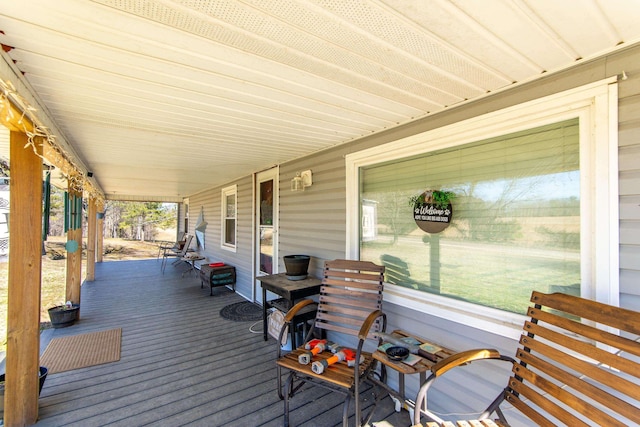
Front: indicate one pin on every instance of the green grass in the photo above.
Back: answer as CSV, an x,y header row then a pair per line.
x,y
52,292
498,276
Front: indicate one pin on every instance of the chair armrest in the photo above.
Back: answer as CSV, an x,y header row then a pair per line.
x,y
440,368
463,358
294,310
288,318
362,337
366,326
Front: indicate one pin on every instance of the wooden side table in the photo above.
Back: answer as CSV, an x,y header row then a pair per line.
x,y
191,259
217,276
424,364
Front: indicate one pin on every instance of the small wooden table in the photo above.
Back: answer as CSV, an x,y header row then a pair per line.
x,y
424,364
191,259
290,291
222,275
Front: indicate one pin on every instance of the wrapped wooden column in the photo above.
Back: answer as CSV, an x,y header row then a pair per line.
x,y
91,239
100,231
74,238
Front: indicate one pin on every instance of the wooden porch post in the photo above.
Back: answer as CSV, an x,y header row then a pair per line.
x,y
74,234
25,274
91,240
100,231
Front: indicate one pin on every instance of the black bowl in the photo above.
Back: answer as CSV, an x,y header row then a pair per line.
x,y
397,353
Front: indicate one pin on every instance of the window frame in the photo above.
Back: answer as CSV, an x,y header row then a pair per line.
x,y
596,107
231,190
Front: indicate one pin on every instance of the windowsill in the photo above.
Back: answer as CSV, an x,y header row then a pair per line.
x,y
472,315
228,248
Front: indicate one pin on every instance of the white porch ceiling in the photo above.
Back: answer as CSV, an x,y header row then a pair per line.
x,y
161,99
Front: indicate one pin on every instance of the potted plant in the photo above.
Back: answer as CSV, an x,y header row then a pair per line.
x,y
440,199
64,315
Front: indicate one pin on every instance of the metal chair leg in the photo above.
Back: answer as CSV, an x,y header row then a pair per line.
x,y
345,411
279,379
288,385
357,403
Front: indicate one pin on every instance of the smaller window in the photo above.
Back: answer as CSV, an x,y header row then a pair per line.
x,y
229,215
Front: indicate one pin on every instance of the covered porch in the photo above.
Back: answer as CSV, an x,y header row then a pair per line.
x,y
207,104
181,362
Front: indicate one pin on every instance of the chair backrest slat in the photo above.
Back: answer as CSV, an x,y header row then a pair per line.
x,y
348,297
586,331
546,405
616,317
584,348
356,282
530,412
350,291
564,396
331,317
338,328
574,367
576,383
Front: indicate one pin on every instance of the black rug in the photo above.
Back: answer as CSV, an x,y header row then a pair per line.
x,y
244,311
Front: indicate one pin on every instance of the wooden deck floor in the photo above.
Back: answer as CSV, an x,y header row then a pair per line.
x,y
181,363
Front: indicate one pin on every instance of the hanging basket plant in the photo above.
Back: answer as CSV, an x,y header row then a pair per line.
x,y
432,210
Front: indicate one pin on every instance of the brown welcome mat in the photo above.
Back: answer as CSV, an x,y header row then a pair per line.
x,y
80,351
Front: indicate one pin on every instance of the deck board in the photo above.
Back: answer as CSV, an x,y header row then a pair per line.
x,y
181,363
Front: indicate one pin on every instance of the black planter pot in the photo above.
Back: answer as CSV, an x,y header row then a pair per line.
x,y
42,375
61,317
297,266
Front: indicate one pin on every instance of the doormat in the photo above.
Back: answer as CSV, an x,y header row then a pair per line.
x,y
244,311
79,351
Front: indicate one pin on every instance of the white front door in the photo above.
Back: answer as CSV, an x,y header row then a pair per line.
x,y
266,220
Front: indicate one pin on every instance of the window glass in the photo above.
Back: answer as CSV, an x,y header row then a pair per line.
x,y
231,205
230,235
515,218
229,217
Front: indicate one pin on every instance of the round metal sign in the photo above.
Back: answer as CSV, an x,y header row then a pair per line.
x,y
431,216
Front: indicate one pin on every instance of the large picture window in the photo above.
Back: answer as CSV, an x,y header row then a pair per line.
x,y
229,217
534,207
516,218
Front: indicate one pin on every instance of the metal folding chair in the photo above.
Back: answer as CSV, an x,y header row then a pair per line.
x,y
176,253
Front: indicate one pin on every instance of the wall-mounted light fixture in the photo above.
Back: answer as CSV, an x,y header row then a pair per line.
x,y
301,181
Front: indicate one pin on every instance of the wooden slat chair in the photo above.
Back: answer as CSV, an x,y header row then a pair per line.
x,y
578,365
349,305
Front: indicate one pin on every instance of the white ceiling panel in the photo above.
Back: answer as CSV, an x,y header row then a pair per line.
x,y
149,93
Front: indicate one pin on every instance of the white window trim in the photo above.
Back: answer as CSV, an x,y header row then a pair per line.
x,y
596,106
228,191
